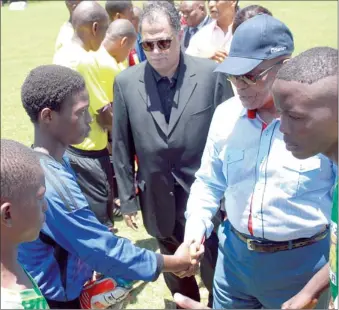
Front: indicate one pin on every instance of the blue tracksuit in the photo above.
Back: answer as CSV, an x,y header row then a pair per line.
x,y
89,244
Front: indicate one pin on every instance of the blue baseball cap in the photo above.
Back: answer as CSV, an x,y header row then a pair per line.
x,y
259,38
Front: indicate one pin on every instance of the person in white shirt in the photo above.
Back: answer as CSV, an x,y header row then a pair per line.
x,y
214,40
195,14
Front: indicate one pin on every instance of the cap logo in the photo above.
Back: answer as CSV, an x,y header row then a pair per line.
x,y
277,49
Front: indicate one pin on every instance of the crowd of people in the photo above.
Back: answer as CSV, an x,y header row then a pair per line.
x,y
198,115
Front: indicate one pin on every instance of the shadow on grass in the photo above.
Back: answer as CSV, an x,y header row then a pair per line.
x,y
169,304
149,244
133,298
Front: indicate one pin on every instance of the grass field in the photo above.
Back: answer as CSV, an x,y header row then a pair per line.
x,y
27,40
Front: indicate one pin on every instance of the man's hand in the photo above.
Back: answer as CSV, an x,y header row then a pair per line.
x,y
219,56
308,297
302,300
196,252
131,220
187,303
105,117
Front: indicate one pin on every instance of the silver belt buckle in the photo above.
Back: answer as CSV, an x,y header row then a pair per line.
x,y
249,244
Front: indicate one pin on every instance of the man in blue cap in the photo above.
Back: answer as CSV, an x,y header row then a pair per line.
x,y
278,207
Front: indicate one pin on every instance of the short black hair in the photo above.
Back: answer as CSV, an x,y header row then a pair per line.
x,y
310,66
116,6
48,86
164,8
19,166
247,13
121,28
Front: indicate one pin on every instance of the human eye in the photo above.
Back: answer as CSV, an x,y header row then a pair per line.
x,y
295,117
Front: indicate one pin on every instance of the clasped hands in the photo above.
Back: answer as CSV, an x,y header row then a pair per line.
x,y
192,252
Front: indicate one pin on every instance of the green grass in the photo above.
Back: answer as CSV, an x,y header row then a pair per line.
x,y
27,40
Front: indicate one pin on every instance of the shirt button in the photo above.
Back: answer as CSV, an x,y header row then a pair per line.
x,y
171,193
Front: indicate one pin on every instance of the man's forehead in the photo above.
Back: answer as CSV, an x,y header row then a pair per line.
x,y
293,94
156,27
188,5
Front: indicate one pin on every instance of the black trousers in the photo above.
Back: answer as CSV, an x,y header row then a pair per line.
x,y
73,304
188,286
95,178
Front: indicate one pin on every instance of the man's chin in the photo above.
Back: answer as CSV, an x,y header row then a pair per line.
x,y
300,154
79,141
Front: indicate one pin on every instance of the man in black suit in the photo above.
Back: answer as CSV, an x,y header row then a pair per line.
x,y
162,112
196,17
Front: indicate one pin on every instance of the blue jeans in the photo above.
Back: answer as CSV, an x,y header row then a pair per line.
x,y
247,279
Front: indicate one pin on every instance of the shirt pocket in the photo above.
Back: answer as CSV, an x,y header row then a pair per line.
x,y
305,176
233,165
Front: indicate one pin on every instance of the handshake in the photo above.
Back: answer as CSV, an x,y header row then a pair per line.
x,y
186,260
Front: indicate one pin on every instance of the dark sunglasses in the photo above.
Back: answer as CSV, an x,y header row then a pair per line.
x,y
253,79
163,45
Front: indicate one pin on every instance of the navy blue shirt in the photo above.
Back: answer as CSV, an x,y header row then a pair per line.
x,y
90,245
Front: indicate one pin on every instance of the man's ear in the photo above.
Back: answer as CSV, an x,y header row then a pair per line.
x,y
5,214
202,8
46,115
124,41
95,27
234,4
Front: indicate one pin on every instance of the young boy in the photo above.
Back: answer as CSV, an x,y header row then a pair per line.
x,y
22,215
72,242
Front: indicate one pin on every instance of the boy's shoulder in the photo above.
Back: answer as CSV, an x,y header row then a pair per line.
x,y
61,184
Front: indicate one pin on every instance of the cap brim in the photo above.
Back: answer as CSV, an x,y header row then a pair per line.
x,y
238,65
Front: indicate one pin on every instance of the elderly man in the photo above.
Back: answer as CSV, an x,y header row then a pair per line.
x,y
159,107
306,95
278,207
214,40
195,15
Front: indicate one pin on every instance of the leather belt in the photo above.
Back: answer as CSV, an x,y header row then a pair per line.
x,y
276,246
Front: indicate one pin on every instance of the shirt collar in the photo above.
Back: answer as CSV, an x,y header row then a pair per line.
x,y
158,77
202,23
215,25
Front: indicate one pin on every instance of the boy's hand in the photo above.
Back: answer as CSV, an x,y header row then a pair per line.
x,y
196,251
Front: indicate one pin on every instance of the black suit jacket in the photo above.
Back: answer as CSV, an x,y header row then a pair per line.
x,y
166,152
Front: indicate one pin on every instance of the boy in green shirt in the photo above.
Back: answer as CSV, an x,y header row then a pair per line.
x,y
22,215
306,95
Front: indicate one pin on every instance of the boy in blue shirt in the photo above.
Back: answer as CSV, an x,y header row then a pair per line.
x,y
73,243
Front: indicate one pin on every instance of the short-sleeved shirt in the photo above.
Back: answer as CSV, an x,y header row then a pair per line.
x,y
75,57
333,259
108,70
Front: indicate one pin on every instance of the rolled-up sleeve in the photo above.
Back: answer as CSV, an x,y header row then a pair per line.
x,y
208,188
